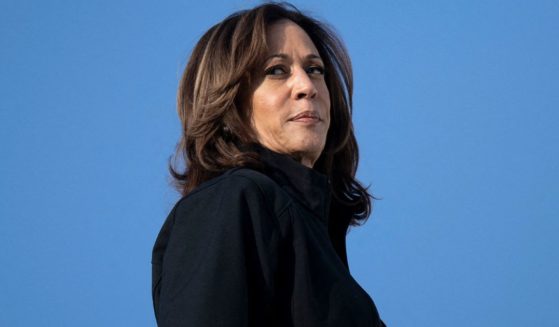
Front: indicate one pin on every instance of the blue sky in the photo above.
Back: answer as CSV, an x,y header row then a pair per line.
x,y
456,113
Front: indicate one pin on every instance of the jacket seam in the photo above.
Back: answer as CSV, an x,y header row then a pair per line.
x,y
276,215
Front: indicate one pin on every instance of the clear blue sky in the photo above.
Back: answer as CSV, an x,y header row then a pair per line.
x,y
456,112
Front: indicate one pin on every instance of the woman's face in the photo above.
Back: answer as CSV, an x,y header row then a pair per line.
x,y
291,102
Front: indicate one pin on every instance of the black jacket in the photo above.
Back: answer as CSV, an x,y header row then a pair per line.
x,y
252,248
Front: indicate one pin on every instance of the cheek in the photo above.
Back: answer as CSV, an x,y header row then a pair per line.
x,y
266,112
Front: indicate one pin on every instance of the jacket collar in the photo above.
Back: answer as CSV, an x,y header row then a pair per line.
x,y
305,185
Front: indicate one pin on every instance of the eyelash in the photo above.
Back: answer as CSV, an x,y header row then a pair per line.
x,y
319,68
270,71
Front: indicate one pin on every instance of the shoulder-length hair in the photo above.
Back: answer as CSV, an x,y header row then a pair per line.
x,y
214,108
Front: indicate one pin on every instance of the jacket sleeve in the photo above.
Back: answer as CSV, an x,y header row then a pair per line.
x,y
220,261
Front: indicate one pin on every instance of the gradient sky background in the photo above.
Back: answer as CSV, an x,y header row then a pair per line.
x,y
456,112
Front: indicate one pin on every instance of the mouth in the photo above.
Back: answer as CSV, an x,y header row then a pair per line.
x,y
306,117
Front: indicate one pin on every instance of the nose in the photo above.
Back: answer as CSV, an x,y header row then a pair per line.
x,y
303,85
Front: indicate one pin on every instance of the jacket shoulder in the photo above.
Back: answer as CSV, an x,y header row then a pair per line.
x,y
251,185
236,197
215,241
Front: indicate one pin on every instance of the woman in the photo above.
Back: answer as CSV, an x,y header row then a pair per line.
x,y
269,191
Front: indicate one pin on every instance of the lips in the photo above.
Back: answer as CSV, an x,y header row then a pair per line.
x,y
306,116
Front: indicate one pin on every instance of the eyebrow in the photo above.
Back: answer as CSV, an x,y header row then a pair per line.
x,y
285,56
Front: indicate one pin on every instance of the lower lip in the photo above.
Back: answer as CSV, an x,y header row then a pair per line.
x,y
307,120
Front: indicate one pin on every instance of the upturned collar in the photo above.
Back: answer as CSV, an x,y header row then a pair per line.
x,y
305,185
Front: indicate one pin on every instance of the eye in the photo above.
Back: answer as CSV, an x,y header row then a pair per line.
x,y
318,70
276,70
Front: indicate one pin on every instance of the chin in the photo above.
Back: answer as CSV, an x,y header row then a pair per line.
x,y
309,146
309,150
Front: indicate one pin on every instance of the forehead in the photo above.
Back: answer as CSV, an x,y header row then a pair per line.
x,y
286,36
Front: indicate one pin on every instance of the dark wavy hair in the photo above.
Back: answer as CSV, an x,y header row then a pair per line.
x,y
215,112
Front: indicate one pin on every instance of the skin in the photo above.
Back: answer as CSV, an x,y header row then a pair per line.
x,y
291,103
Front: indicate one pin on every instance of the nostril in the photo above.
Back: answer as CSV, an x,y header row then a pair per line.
x,y
311,94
